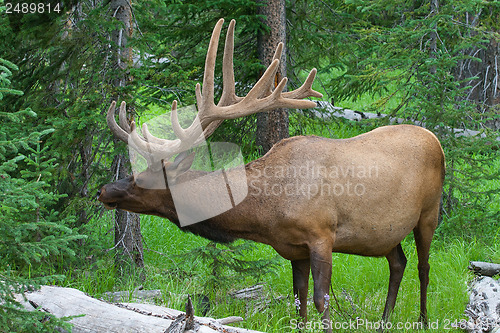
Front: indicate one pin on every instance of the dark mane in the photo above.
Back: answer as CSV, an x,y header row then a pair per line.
x,y
206,230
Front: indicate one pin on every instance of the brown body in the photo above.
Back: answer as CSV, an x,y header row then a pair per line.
x,y
361,195
308,196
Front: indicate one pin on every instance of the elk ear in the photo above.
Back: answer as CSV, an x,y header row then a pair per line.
x,y
181,164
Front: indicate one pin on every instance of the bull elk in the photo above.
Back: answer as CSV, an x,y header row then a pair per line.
x,y
308,196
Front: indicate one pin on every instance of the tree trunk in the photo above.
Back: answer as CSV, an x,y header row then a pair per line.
x,y
272,126
128,238
433,34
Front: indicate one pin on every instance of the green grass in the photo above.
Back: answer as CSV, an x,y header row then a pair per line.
x,y
359,283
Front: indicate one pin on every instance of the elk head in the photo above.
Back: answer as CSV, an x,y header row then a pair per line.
x,y
139,193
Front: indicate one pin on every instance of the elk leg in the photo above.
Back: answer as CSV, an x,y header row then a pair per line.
x,y
321,267
423,236
397,264
300,271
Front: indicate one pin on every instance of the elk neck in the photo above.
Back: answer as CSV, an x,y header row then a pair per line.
x,y
240,221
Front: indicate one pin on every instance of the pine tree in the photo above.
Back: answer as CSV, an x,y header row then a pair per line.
x,y
32,235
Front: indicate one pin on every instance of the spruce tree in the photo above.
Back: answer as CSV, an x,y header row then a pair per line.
x,y
32,235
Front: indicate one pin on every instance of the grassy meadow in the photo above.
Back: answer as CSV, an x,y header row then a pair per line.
x,y
359,283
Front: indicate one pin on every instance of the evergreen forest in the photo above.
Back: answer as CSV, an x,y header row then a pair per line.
x,y
434,63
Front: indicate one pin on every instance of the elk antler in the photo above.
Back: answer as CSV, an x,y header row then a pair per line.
x,y
262,97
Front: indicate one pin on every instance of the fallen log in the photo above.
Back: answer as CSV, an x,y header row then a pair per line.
x,y
100,316
143,295
484,268
156,296
353,115
483,308
256,299
254,292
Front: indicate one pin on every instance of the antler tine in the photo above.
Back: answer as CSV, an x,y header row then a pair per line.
x,y
306,89
260,88
253,104
248,104
277,55
176,127
184,135
154,149
229,96
228,84
122,117
207,94
204,99
148,137
278,51
137,141
119,132
260,98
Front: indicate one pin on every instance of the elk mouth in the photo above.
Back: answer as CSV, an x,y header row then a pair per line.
x,y
110,205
